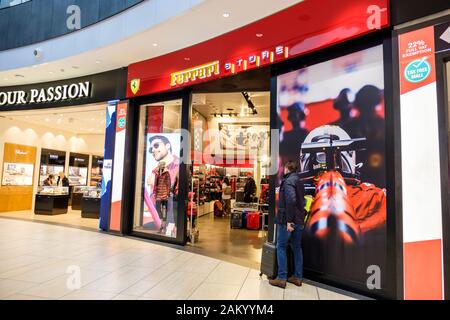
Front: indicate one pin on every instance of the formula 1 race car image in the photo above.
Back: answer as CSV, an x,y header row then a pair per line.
x,y
343,207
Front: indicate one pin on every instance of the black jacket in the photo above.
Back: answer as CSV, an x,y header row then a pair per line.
x,y
291,201
65,182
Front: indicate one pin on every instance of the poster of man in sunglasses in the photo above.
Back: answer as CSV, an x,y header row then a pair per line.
x,y
161,172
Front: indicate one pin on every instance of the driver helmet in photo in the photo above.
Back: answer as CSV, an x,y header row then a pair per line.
x,y
310,162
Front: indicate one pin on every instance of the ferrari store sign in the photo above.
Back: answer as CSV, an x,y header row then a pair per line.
x,y
216,69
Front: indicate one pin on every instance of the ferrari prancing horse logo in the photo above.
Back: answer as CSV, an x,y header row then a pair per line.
x,y
135,85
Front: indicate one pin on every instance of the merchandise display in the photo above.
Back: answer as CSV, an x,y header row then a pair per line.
x,y
96,171
46,170
77,176
80,192
52,190
51,200
17,174
90,203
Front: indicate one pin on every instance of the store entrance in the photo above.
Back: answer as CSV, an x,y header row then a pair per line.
x,y
52,162
229,182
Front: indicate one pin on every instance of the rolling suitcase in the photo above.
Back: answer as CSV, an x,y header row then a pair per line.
x,y
236,220
253,221
244,218
269,263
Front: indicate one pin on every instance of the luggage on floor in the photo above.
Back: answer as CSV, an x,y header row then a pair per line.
x,y
218,209
236,220
244,218
269,262
254,220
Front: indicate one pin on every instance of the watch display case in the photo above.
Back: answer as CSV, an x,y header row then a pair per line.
x,y
80,192
92,192
51,200
53,190
90,203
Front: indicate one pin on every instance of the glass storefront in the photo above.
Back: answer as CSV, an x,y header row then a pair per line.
x,y
158,165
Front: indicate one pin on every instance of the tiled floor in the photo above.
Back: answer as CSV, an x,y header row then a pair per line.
x,y
43,261
71,218
217,239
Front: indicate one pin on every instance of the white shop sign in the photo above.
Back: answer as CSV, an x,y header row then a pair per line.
x,y
45,95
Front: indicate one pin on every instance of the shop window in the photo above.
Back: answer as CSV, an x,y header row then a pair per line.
x,y
157,179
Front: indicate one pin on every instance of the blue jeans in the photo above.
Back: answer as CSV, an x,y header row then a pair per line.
x,y
282,242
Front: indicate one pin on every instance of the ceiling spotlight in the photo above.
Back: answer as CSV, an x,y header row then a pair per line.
x,y
98,62
154,44
226,15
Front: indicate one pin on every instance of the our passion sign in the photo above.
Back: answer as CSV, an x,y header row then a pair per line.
x,y
46,95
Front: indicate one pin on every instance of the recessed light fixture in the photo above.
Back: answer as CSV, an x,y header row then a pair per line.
x,y
226,15
154,44
98,62
50,72
259,35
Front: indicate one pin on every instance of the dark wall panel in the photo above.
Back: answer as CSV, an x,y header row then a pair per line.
x,y
40,20
406,10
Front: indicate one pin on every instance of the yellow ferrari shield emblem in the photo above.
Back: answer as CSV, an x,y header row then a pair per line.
x,y
135,85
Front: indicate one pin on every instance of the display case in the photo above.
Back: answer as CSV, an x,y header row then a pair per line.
x,y
90,203
77,195
53,190
51,200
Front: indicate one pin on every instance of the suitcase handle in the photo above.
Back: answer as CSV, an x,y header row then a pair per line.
x,y
274,240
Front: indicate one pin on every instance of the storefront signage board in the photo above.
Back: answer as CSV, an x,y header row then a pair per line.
x,y
300,29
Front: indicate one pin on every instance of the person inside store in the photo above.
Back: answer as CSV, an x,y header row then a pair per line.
x,y
226,196
290,224
249,189
49,181
63,181
161,192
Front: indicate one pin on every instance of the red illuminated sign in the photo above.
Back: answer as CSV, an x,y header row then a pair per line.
x,y
297,30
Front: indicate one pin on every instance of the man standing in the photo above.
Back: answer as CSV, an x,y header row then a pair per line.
x,y
249,189
290,220
63,181
161,193
161,150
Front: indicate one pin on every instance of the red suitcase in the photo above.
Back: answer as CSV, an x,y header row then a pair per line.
x,y
253,221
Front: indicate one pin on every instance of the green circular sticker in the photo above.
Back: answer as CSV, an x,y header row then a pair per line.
x,y
121,123
418,70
